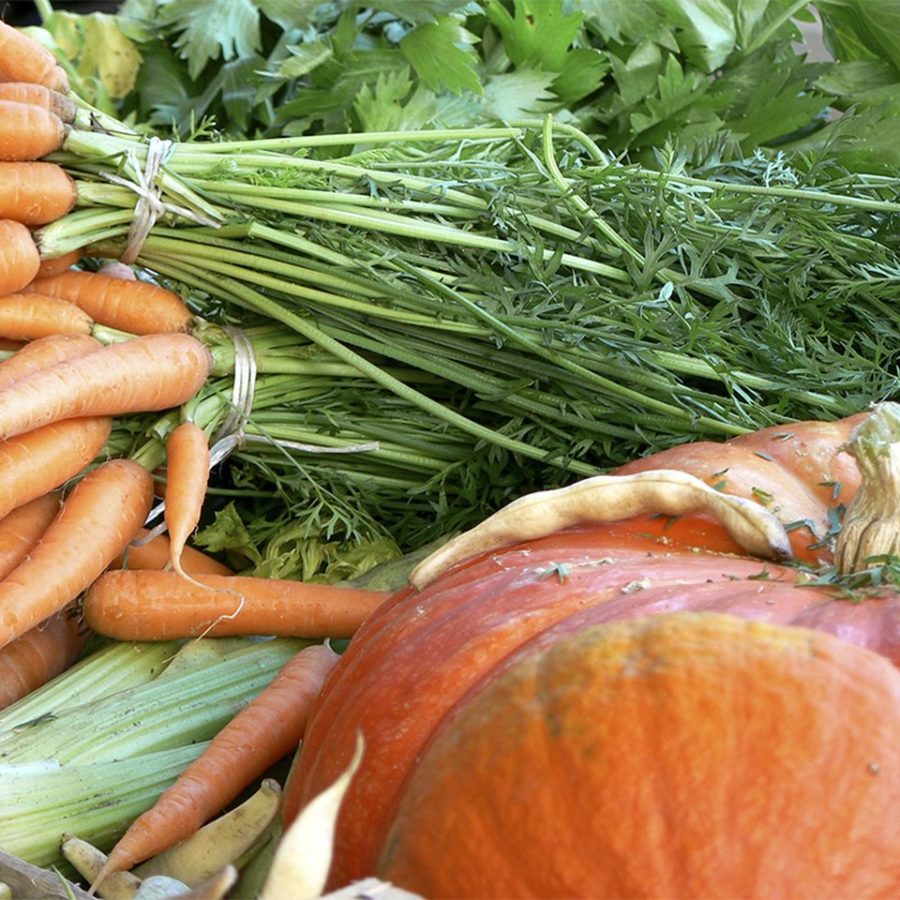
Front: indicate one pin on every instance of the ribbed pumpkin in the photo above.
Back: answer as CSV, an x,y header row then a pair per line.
x,y
686,755
425,653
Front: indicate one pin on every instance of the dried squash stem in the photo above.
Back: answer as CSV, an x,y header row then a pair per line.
x,y
610,498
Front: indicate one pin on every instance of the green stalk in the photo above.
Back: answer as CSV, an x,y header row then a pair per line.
x,y
96,802
122,665
156,715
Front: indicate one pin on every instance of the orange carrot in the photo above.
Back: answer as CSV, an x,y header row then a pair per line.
x,y
19,257
26,317
39,461
155,554
268,728
34,193
24,59
55,264
95,524
147,605
38,95
39,655
137,307
28,132
21,529
187,475
43,353
143,374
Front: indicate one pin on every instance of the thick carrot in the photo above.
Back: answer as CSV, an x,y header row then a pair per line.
x,y
53,265
268,728
155,554
35,193
143,374
39,461
19,256
97,520
21,529
137,307
43,353
147,605
187,475
39,655
26,317
28,132
38,95
24,59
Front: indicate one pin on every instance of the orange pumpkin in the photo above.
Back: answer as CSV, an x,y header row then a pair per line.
x,y
689,755
424,654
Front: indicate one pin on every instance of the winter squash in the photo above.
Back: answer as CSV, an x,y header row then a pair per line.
x,y
430,648
682,755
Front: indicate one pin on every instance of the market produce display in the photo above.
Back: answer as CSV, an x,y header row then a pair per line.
x,y
578,319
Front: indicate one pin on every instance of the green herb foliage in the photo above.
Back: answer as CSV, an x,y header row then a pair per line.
x,y
634,74
504,310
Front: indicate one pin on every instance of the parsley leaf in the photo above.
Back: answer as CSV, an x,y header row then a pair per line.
x,y
210,29
434,50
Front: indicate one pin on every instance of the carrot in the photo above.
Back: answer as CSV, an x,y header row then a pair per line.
x,y
21,529
97,520
39,655
19,257
38,461
26,317
55,264
143,374
155,554
268,728
187,475
28,132
147,605
38,95
35,193
24,59
43,353
137,307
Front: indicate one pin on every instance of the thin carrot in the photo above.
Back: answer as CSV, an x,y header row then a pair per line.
x,y
95,524
187,476
26,317
39,655
44,353
34,193
38,95
23,59
148,605
28,132
137,307
39,461
155,554
55,264
21,529
19,256
263,732
143,374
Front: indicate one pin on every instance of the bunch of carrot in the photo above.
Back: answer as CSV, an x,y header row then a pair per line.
x,y
82,348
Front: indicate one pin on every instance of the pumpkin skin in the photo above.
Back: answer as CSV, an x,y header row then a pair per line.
x,y
677,756
422,653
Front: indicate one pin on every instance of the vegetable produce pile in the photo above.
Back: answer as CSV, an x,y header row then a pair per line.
x,y
502,271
